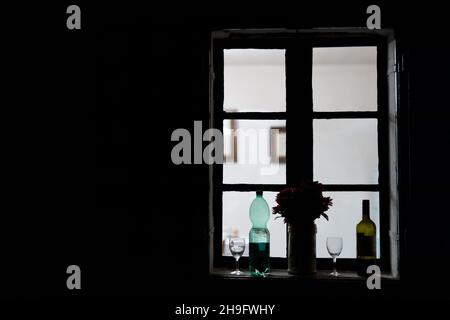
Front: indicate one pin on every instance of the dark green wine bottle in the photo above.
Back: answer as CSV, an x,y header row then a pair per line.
x,y
366,245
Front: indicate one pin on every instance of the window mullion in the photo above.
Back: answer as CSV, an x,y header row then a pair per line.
x,y
217,171
345,114
299,108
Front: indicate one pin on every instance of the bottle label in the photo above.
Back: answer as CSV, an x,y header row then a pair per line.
x,y
365,246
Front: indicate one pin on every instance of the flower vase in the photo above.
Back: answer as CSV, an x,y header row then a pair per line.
x,y
302,248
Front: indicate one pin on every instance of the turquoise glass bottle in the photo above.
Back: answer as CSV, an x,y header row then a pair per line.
x,y
259,238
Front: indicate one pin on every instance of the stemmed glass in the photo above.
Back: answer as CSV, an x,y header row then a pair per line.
x,y
237,248
334,247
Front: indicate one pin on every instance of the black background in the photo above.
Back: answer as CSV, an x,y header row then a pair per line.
x,y
88,178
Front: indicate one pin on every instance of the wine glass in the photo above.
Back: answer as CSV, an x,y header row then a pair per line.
x,y
237,247
334,247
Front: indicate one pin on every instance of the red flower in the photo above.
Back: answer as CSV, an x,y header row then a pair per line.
x,y
302,203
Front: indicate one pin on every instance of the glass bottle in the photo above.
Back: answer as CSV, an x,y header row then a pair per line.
x,y
366,231
259,238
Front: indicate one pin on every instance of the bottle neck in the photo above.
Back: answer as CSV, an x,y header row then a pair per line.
x,y
366,210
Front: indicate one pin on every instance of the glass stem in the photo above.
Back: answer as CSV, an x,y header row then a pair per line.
x,y
237,264
334,265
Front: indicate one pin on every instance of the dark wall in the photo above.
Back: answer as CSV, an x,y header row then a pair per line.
x,y
91,181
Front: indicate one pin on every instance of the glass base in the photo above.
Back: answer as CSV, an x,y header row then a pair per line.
x,y
237,272
335,273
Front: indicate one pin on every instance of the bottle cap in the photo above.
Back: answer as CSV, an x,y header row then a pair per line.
x,y
259,193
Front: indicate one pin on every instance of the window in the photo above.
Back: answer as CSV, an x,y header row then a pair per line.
x,y
316,108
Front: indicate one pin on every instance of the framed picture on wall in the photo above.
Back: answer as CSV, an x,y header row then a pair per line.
x,y
230,140
278,144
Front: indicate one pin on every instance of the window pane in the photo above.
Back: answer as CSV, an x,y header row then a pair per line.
x,y
345,79
346,151
236,221
254,151
344,215
254,80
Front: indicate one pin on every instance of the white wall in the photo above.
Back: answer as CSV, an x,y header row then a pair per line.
x,y
254,80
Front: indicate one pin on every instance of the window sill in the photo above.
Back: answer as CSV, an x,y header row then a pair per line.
x,y
282,274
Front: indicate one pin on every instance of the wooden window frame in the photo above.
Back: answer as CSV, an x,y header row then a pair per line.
x,y
299,126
